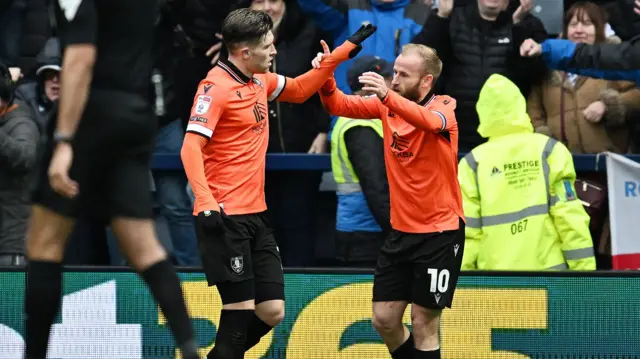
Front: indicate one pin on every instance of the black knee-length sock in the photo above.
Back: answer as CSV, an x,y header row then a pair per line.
x,y
42,302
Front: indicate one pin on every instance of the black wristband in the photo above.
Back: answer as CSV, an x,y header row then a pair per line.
x,y
58,137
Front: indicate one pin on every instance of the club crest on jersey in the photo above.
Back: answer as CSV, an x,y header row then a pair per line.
x,y
203,104
258,82
237,264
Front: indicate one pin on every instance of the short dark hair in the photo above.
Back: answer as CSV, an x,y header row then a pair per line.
x,y
245,25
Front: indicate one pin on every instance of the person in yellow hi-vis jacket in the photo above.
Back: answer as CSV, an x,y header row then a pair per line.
x,y
518,192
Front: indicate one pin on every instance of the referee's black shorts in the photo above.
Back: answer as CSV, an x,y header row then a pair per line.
x,y
419,268
112,150
244,263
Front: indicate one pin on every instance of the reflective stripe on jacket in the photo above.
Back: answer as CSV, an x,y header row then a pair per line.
x,y
353,213
518,192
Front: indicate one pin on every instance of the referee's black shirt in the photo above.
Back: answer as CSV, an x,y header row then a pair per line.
x,y
122,31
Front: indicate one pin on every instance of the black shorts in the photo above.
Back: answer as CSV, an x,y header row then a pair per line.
x,y
112,151
419,268
245,259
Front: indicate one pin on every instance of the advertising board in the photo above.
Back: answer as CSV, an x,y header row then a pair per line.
x,y
112,315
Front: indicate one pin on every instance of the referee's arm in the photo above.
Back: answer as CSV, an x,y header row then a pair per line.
x,y
79,29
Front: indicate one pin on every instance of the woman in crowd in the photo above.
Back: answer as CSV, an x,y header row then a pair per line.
x,y
586,114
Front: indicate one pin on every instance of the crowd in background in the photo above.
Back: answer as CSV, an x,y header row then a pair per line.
x,y
474,40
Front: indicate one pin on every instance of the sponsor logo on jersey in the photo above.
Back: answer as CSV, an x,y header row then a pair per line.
x,y
198,119
399,146
259,112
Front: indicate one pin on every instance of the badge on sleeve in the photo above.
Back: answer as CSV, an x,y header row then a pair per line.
x,y
203,104
568,189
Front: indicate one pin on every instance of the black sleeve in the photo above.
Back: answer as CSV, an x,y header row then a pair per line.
x,y
366,153
18,148
77,21
435,34
616,57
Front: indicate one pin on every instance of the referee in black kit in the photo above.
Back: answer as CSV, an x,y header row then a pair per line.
x,y
99,160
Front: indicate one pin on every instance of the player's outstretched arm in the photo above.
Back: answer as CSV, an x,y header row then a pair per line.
x,y
352,106
438,116
301,88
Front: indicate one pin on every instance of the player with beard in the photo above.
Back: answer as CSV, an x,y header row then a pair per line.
x,y
421,258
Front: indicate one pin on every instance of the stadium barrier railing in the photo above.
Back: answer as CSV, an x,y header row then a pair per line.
x,y
322,162
107,312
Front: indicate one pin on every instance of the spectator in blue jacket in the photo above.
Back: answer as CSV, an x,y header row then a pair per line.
x,y
558,54
398,21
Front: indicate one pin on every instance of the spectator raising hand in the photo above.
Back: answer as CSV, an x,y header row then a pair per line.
x,y
214,51
637,8
522,11
444,8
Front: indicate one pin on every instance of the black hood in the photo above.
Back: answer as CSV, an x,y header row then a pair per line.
x,y
50,56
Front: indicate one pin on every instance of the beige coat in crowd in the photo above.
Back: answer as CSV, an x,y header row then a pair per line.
x,y
582,136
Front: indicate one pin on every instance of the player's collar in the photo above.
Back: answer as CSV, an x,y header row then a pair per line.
x,y
233,71
427,99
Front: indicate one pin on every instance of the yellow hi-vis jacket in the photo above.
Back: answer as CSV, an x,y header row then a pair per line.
x,y
518,192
